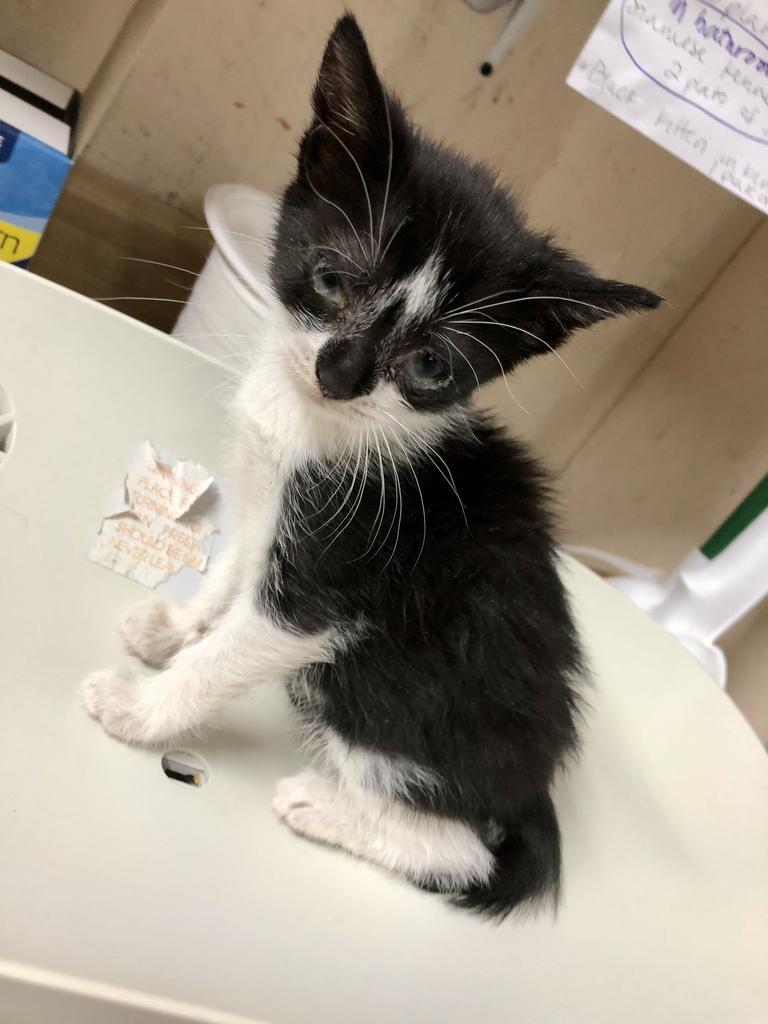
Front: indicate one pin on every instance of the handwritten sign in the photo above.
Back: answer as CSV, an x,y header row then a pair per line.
x,y
155,533
693,76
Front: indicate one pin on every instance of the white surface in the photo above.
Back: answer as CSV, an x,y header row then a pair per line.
x,y
232,296
693,77
113,873
33,122
35,81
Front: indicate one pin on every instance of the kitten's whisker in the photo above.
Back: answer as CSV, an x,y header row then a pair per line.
x,y
347,273
157,263
266,243
391,239
152,298
349,518
183,337
220,359
398,500
344,469
501,365
342,476
379,431
251,239
448,353
464,356
522,330
346,498
353,158
317,511
426,448
389,173
379,517
342,212
339,252
533,298
224,357
469,428
345,457
144,298
351,488
177,284
312,486
230,382
421,499
485,298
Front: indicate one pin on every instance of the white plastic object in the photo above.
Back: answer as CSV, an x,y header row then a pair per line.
x,y
129,897
521,14
712,589
232,298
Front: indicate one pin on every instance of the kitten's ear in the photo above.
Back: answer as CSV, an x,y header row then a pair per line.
x,y
348,96
354,117
573,297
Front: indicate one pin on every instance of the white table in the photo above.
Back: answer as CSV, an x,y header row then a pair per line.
x,y
127,897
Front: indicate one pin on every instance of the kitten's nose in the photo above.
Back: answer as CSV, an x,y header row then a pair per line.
x,y
345,369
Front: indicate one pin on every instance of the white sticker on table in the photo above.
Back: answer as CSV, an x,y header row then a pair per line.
x,y
693,76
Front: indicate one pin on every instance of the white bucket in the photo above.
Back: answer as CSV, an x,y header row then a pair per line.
x,y
232,298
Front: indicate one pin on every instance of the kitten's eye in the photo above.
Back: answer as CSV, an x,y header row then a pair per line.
x,y
328,284
427,369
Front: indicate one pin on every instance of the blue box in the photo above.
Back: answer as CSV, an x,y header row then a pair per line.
x,y
38,116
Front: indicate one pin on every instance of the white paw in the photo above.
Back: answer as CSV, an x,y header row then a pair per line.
x,y
113,698
307,804
301,790
154,630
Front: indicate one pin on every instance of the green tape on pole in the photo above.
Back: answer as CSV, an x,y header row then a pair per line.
x,y
754,503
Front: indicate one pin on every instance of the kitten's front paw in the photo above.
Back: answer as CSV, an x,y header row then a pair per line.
x,y
155,630
113,698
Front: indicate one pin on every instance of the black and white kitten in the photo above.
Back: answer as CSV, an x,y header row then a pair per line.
x,y
394,563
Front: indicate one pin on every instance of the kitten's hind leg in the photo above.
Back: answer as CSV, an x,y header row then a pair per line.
x,y
433,851
158,628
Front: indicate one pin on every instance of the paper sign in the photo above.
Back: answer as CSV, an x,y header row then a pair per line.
x,y
693,76
155,533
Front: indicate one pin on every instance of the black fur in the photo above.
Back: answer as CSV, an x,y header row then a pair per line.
x,y
463,655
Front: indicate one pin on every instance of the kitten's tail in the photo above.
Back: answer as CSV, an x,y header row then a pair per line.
x,y
527,864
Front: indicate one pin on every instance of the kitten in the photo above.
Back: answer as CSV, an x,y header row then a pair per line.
x,y
395,563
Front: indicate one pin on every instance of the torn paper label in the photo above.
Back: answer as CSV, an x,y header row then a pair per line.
x,y
151,552
156,531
